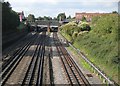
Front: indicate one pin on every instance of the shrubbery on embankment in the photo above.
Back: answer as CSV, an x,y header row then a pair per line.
x,y
99,43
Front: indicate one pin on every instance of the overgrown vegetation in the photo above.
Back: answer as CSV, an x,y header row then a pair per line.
x,y
10,19
72,29
61,17
100,43
31,18
22,26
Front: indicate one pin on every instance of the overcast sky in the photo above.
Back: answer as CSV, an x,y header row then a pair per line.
x,y
70,7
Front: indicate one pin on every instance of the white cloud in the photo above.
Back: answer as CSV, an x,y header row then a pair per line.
x,y
57,1
28,6
108,4
32,1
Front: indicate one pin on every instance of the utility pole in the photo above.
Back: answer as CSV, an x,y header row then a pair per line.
x,y
48,29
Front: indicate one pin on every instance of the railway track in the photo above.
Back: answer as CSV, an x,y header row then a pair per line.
x,y
33,75
33,53
73,73
34,72
9,67
18,51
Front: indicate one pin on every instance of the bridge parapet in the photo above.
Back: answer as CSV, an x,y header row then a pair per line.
x,y
42,22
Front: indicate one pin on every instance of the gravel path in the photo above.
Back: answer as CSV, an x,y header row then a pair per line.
x,y
46,75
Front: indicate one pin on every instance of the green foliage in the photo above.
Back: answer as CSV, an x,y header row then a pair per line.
x,y
69,17
83,19
68,37
72,29
75,34
61,17
69,28
31,18
21,26
84,26
40,18
47,18
94,19
106,25
54,18
100,44
14,22
115,12
10,19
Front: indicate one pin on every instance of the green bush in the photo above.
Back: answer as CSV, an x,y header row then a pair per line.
x,y
75,34
69,28
85,26
72,29
21,26
100,44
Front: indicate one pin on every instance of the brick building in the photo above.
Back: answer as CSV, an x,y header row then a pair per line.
x,y
88,16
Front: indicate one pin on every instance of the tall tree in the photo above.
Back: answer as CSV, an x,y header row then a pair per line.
x,y
54,18
31,18
40,18
69,17
47,18
10,19
83,19
114,12
61,17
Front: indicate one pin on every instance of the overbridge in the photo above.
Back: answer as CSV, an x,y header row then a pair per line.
x,y
42,25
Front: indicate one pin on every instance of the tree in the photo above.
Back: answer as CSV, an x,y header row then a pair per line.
x,y
115,12
47,18
69,17
83,19
54,18
61,17
40,18
85,27
73,18
31,18
10,19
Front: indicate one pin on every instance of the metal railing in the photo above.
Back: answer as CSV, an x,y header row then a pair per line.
x,y
106,79
100,73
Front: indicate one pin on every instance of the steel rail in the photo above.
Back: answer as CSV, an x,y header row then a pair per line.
x,y
37,62
70,63
8,71
110,82
73,63
40,69
65,68
78,70
28,74
4,65
67,62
